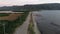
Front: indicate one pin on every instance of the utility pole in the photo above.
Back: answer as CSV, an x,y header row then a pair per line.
x,y
4,27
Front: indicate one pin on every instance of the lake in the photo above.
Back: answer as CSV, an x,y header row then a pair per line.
x,y
48,21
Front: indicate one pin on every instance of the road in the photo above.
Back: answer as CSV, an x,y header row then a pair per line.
x,y
24,27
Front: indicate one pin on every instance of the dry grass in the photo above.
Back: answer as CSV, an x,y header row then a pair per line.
x,y
11,17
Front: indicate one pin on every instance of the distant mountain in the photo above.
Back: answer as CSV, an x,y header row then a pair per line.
x,y
49,6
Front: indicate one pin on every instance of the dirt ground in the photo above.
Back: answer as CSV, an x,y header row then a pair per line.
x,y
11,17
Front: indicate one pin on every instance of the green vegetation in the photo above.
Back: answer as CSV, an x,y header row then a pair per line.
x,y
11,25
3,14
31,28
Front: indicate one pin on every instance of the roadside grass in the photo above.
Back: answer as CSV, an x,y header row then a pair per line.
x,y
31,28
12,25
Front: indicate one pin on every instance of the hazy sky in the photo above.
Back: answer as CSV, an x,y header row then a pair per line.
x,y
22,2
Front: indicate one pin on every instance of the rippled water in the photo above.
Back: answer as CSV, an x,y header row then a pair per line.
x,y
48,21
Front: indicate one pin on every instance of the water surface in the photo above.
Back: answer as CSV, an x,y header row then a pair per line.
x,y
48,21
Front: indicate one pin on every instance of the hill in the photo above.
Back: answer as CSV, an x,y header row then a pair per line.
x,y
49,6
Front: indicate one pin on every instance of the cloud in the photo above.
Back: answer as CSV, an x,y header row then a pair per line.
x,y
22,2
18,2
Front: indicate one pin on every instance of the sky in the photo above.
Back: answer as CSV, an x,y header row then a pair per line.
x,y
23,2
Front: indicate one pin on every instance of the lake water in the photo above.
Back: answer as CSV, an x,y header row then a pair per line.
x,y
48,21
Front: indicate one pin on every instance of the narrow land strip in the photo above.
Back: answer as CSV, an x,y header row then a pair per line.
x,y
35,25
